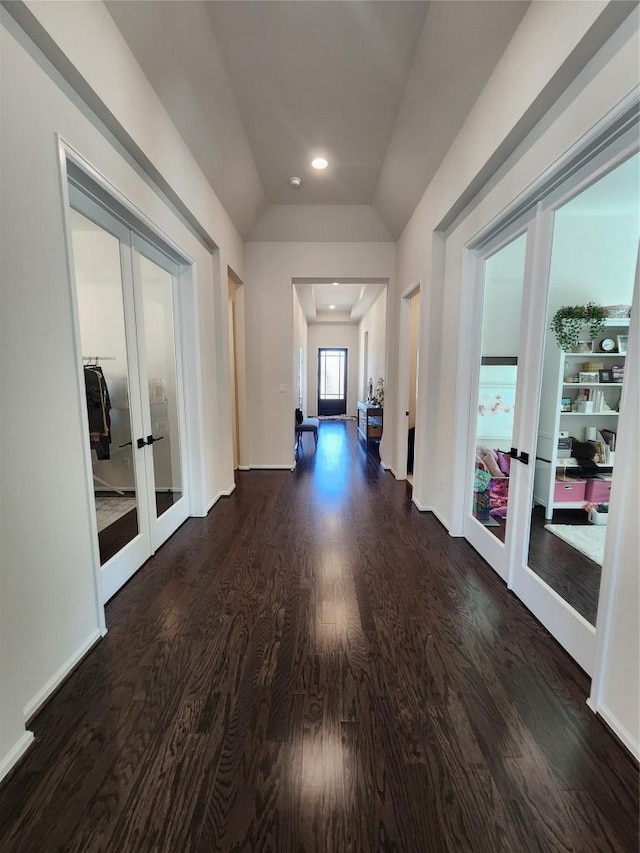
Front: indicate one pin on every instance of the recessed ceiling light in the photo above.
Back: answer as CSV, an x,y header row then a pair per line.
x,y
335,283
319,163
331,307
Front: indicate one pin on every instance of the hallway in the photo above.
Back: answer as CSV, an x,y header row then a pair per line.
x,y
318,666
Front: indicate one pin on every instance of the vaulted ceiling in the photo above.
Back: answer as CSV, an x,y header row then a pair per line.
x,y
257,88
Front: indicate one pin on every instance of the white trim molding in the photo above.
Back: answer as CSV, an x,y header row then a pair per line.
x,y
618,729
34,704
225,493
290,467
15,754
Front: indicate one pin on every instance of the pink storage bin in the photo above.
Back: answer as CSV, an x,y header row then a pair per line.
x,y
569,490
598,491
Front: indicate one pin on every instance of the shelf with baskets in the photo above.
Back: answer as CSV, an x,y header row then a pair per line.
x,y
580,399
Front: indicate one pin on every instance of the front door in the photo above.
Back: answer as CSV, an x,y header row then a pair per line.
x,y
332,382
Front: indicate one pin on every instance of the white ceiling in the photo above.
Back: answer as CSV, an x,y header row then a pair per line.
x,y
259,87
344,301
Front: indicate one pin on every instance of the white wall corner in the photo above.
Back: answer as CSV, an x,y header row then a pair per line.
x,y
618,729
37,701
223,493
422,507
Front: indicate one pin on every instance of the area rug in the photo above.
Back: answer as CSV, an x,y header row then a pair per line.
x,y
336,417
586,538
109,510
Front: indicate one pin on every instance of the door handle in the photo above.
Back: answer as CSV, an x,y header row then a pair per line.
x,y
151,438
126,444
141,443
524,458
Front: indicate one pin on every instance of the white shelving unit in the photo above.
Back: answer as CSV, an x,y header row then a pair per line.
x,y
558,366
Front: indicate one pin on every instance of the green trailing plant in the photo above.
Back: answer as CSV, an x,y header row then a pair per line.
x,y
569,321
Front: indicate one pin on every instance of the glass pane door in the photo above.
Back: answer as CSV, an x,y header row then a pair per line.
x,y
106,321
502,284
332,381
157,297
157,310
128,310
593,260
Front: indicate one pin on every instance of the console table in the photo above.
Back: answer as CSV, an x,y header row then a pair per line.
x,y
370,420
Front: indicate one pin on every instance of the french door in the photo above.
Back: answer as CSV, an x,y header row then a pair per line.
x,y
332,382
588,234
579,245
129,325
503,269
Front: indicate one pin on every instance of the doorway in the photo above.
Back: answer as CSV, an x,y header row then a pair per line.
x,y
332,382
128,300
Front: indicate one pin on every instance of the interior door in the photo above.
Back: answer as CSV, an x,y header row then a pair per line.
x,y
502,272
588,251
332,382
129,324
156,286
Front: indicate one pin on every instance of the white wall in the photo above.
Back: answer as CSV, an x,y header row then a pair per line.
x,y
89,39
339,335
269,272
616,686
326,223
608,78
50,609
593,259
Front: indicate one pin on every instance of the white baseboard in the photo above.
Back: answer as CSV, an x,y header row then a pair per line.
x,y
288,467
33,705
15,754
222,494
432,510
620,731
243,468
441,519
419,506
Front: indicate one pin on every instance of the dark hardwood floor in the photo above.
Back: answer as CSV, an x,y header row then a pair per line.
x,y
568,572
317,666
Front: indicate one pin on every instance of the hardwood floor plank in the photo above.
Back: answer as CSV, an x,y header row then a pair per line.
x,y
317,666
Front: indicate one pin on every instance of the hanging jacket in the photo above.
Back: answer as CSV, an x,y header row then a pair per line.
x,y
98,408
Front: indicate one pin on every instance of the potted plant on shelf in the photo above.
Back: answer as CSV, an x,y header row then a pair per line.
x,y
378,398
569,321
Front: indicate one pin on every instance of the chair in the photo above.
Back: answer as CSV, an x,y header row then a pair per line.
x,y
303,425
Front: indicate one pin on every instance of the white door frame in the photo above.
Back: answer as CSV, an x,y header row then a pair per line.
x,y
404,366
137,221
